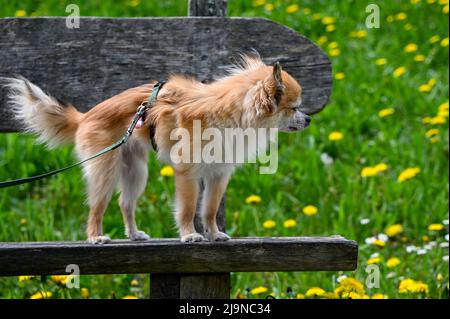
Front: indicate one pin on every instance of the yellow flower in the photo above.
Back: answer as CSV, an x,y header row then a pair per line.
x,y
20,13
322,40
253,199
390,19
333,45
258,3
425,88
339,76
381,61
432,132
307,11
381,167
393,262
408,26
268,224
335,136
379,296
25,278
369,172
415,1
130,297
443,107
437,120
328,20
61,279
386,112
426,120
42,295
434,39
166,171
444,42
436,227
352,284
269,7
393,230
425,238
411,47
315,292
419,58
399,71
400,16
335,52
445,9
134,283
84,293
310,210
300,296
379,243
434,139
408,174
374,260
23,221
258,290
292,8
330,28
290,223
411,286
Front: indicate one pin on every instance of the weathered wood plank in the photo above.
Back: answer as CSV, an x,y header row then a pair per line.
x,y
172,256
206,286
107,55
207,8
165,286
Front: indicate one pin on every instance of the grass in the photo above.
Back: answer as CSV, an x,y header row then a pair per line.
x,y
51,209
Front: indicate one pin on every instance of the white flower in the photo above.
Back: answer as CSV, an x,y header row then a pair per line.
x,y
411,248
364,221
443,245
340,278
370,240
391,274
445,222
446,237
326,159
375,255
383,237
445,258
421,251
428,247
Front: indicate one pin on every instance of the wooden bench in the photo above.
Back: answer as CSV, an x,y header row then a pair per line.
x,y
107,55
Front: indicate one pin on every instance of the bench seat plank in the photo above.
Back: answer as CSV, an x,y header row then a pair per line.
x,y
171,256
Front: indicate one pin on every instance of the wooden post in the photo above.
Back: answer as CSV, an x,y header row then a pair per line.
x,y
207,286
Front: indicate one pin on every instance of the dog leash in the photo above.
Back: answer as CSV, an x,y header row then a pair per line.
x,y
139,114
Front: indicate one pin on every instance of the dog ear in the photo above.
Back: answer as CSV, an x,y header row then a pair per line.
x,y
278,82
271,92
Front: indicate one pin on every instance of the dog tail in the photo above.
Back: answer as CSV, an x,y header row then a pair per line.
x,y
53,121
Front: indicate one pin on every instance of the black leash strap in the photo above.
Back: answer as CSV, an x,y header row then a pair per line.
x,y
140,113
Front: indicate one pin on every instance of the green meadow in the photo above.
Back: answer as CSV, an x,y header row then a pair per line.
x,y
372,167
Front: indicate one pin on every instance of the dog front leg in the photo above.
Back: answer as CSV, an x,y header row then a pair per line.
x,y
213,193
187,189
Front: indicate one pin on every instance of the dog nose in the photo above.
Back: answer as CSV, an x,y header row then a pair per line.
x,y
308,119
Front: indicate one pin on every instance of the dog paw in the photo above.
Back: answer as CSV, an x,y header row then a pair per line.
x,y
194,237
99,239
139,236
219,236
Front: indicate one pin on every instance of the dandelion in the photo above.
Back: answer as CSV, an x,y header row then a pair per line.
x,y
335,52
432,132
426,120
253,199
425,88
258,290
268,224
42,295
398,72
390,19
411,47
166,171
368,172
394,230
315,292
61,279
322,40
386,112
435,227
292,8
444,42
408,174
269,7
258,3
411,286
352,284
379,243
382,167
443,107
437,120
401,16
20,13
330,28
335,136
130,297
328,20
434,39
379,296
23,221
84,293
25,278
419,58
375,260
134,283
445,9
290,223
333,45
393,262
300,296
381,61
339,76
310,210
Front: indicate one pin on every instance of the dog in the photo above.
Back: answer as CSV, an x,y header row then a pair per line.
x,y
251,95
